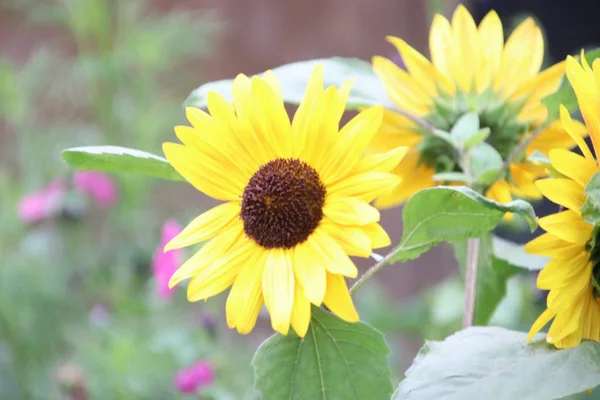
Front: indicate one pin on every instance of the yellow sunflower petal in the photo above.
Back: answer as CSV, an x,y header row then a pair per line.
x,y
350,211
586,89
557,137
210,252
543,84
573,165
500,192
465,48
426,75
401,87
352,239
566,323
550,246
384,162
491,43
563,297
560,273
354,138
245,298
215,277
309,268
564,192
301,312
206,225
309,115
540,322
278,289
364,186
396,130
338,298
568,226
324,246
575,132
212,181
378,236
440,45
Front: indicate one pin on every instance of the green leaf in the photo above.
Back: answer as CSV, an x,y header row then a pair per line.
x,y
465,128
120,159
564,94
485,162
516,255
451,177
451,214
492,277
477,138
496,363
590,211
445,136
336,360
367,90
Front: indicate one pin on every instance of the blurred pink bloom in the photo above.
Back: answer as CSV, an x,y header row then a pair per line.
x,y
164,264
39,205
98,186
194,377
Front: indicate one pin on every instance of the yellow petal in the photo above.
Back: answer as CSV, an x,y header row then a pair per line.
x,y
245,298
500,192
324,246
562,298
309,115
350,211
211,180
338,298
206,225
364,186
560,273
352,239
491,42
564,192
568,226
396,130
551,246
573,165
540,322
354,138
440,45
378,236
217,276
575,133
211,252
384,162
401,87
301,312
278,289
557,137
309,267
425,74
566,324
543,84
465,48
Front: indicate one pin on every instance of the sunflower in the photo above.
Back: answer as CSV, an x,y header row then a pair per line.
x,y
471,69
573,244
295,201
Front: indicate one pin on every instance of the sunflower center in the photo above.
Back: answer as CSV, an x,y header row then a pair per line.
x,y
282,203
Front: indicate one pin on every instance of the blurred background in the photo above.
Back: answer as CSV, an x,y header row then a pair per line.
x,y
84,313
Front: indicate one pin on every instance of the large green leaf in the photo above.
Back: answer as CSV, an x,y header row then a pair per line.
x,y
492,276
293,78
496,363
451,214
120,159
336,360
564,94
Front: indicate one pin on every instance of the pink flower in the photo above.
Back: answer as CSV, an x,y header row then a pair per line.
x,y
164,264
98,186
194,377
37,206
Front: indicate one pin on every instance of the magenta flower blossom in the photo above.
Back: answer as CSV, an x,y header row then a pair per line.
x,y
196,376
164,263
37,206
100,187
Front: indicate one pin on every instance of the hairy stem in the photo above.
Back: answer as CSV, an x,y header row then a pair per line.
x,y
471,281
523,145
370,272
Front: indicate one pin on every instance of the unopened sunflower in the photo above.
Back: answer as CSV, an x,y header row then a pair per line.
x,y
295,201
573,274
471,69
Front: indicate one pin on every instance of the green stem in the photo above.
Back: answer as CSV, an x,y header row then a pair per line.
x,y
523,146
371,271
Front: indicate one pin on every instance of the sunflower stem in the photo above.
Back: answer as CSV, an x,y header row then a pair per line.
x,y
471,281
417,120
370,272
523,146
